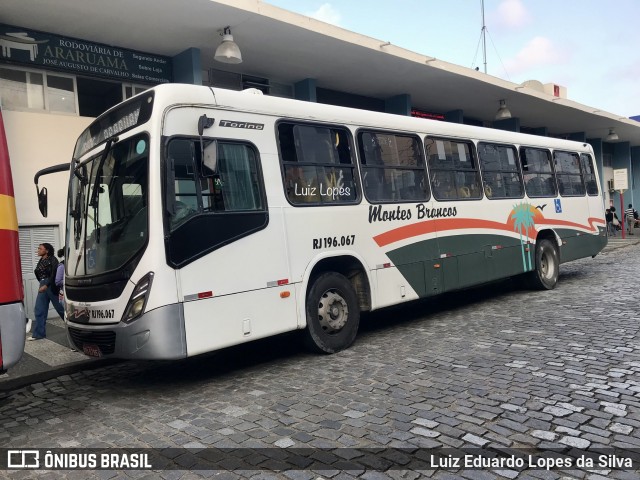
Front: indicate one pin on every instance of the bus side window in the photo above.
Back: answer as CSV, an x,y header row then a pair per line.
x,y
453,169
569,174
589,174
538,172
239,182
317,164
500,171
392,167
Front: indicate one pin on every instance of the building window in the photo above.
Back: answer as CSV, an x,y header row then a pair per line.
x,y
33,90
61,93
21,90
392,167
453,169
129,90
500,171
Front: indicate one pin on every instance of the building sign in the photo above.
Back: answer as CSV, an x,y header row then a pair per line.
x,y
430,115
30,47
620,181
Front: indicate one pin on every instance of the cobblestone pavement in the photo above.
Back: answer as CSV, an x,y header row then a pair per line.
x,y
495,367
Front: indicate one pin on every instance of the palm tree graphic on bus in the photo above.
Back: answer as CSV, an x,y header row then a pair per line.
x,y
523,216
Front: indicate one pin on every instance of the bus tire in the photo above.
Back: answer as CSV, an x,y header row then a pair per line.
x,y
332,312
545,274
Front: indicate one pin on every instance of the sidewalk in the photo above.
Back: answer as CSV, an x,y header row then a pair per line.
x,y
47,358
51,357
619,242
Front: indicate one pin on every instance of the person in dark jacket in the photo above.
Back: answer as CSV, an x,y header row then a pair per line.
x,y
60,277
615,221
45,272
611,229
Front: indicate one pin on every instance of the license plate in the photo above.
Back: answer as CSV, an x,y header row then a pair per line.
x,y
91,350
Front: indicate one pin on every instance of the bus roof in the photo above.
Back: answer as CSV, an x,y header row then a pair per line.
x,y
248,101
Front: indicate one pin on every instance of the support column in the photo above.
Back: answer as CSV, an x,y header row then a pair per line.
x,y
578,137
510,124
596,144
635,176
187,67
400,105
454,116
541,131
306,90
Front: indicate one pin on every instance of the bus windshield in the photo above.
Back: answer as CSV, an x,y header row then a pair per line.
x,y
106,228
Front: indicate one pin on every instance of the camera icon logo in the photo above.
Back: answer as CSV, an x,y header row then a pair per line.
x,y
23,459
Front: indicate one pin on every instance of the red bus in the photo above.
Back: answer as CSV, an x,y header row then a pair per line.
x,y
12,313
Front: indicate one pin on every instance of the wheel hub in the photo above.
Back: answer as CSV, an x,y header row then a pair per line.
x,y
333,312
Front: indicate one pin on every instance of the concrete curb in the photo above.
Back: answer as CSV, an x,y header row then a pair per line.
x,y
43,376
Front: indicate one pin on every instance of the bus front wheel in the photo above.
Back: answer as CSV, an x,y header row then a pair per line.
x,y
333,315
545,275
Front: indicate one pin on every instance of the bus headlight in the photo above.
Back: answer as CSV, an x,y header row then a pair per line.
x,y
138,299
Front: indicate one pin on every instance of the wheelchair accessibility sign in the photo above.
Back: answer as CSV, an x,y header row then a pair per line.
x,y
558,204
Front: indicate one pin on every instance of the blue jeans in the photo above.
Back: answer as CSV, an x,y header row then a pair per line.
x,y
42,311
55,301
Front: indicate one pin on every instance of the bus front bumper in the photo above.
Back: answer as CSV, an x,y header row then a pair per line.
x,y
156,335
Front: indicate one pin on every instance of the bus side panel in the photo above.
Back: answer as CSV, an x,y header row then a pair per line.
x,y
509,257
240,282
220,322
579,245
418,263
396,285
585,236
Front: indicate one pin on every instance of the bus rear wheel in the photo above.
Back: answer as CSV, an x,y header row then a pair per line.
x,y
333,315
545,275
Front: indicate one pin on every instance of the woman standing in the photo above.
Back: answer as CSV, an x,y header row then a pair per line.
x,y
45,273
60,278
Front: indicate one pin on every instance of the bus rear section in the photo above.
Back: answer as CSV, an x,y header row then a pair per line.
x,y
12,312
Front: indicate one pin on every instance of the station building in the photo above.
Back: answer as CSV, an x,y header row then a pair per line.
x,y
61,66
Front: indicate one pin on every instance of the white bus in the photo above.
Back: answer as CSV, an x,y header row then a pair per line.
x,y
201,218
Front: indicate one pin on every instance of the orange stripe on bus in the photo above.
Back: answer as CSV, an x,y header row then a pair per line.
x,y
450,224
566,223
8,218
431,226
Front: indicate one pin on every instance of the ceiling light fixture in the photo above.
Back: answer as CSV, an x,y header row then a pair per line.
x,y
612,137
228,51
503,112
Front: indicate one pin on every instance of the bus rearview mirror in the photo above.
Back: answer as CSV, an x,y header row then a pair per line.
x,y
42,200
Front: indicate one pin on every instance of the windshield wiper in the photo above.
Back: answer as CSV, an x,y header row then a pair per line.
x,y
76,211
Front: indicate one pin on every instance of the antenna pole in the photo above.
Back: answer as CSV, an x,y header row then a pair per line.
x,y
484,39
